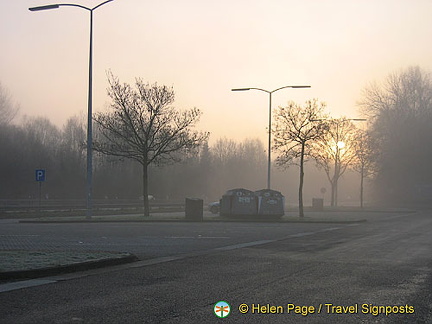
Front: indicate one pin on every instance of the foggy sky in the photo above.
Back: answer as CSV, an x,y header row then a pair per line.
x,y
205,48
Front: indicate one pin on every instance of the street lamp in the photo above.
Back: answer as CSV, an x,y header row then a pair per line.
x,y
89,113
270,105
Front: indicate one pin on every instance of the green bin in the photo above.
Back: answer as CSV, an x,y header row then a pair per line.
x,y
194,209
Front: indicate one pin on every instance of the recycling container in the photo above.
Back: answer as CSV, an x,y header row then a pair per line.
x,y
270,203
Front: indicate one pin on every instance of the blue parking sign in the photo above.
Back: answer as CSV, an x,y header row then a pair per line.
x,y
40,175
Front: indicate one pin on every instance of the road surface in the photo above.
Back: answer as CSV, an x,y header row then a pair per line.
x,y
373,272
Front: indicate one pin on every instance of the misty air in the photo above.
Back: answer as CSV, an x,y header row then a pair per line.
x,y
197,162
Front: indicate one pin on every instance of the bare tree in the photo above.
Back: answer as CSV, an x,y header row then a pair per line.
x,y
143,126
409,91
8,110
40,131
295,129
224,150
237,164
334,151
400,111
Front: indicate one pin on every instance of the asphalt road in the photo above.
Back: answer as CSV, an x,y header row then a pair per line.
x,y
276,273
146,240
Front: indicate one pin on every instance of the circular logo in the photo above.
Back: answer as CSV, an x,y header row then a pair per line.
x,y
222,309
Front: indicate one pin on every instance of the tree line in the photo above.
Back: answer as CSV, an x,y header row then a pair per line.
x,y
145,146
36,143
400,110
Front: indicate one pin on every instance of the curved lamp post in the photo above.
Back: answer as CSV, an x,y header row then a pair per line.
x,y
89,113
270,105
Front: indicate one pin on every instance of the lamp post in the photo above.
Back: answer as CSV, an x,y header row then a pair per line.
x,y
269,128
90,92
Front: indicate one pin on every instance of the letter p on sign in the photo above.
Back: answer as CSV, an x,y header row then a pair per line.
x,y
40,175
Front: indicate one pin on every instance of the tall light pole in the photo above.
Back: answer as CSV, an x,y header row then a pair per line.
x,y
89,188
269,127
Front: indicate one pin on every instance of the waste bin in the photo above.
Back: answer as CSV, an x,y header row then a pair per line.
x,y
238,202
194,209
270,203
317,204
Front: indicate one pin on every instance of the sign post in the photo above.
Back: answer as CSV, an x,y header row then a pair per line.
x,y
40,177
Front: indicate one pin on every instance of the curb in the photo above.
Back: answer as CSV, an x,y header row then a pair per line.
x,y
227,220
50,271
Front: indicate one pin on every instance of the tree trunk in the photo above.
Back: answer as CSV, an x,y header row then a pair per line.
x,y
333,193
336,192
334,181
301,212
145,191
